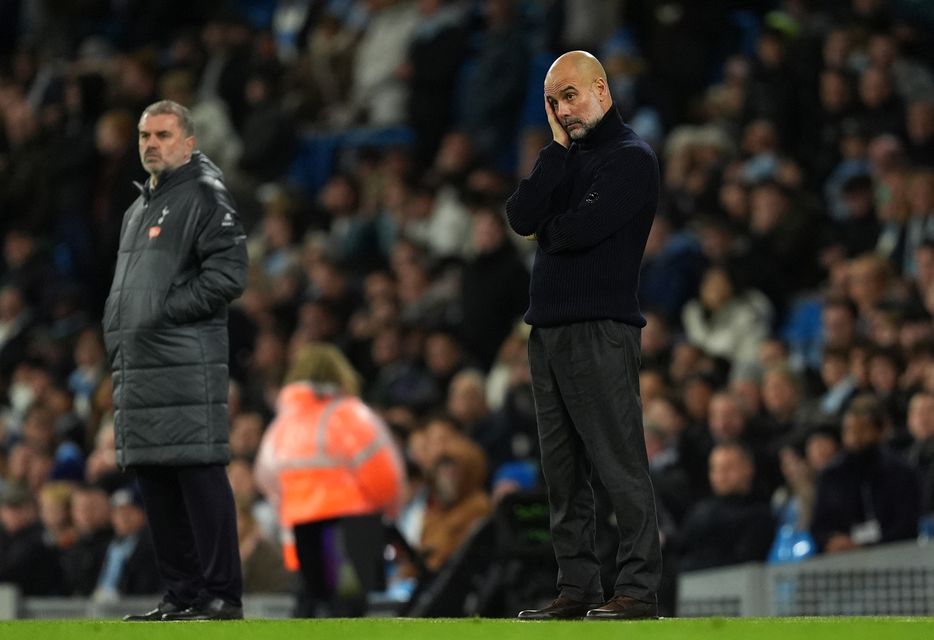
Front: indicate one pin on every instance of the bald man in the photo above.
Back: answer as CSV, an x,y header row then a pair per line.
x,y
589,203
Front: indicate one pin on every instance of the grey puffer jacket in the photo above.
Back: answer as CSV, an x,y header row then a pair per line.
x,y
182,259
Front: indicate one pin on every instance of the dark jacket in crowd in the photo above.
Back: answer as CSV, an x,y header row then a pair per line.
x,y
494,293
268,142
591,207
725,530
857,488
436,53
182,259
82,561
27,562
673,486
495,79
921,457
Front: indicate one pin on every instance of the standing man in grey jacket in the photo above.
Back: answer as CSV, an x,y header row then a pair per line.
x,y
182,260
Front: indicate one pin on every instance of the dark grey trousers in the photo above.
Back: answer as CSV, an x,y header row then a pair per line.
x,y
585,377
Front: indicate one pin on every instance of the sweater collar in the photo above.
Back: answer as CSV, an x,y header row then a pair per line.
x,y
608,128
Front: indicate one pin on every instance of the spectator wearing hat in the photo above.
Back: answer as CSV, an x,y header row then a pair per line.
x,y
130,562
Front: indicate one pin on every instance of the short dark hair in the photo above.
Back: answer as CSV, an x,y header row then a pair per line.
x,y
171,108
736,445
842,302
868,406
892,354
839,353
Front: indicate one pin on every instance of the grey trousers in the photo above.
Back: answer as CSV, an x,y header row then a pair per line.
x,y
585,377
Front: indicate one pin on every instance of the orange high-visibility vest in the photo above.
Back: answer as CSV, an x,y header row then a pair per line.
x,y
327,456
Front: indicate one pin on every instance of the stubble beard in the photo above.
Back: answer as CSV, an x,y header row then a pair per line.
x,y
583,128
155,168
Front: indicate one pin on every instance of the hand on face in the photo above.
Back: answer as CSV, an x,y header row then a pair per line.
x,y
558,131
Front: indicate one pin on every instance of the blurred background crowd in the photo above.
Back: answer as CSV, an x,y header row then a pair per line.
x,y
788,362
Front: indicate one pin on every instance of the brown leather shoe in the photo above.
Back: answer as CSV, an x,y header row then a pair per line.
x,y
561,608
624,608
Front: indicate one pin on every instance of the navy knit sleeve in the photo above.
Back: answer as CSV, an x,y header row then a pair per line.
x,y
531,203
621,189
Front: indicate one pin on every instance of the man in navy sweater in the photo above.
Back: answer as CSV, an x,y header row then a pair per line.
x,y
589,203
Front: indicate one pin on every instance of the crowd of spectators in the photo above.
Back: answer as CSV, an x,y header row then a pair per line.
x,y
788,362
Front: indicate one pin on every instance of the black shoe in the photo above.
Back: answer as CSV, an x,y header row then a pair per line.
x,y
155,615
624,608
561,608
215,609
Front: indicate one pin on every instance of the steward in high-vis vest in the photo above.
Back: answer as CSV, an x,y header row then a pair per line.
x,y
330,466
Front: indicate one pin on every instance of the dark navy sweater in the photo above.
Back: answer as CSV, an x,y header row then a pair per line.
x,y
591,208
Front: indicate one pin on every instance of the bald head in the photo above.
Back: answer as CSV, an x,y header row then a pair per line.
x,y
584,65
577,90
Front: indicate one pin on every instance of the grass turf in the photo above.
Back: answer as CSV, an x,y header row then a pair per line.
x,y
485,629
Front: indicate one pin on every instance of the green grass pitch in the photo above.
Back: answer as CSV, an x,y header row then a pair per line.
x,y
482,629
